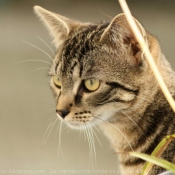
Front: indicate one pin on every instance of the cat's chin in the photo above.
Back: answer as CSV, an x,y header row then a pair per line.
x,y
75,126
78,126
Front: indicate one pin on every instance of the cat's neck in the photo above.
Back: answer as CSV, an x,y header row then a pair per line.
x,y
157,112
138,135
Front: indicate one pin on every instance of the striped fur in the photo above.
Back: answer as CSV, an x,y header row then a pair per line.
x,y
128,105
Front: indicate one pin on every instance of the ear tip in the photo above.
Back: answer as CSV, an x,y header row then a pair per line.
x,y
37,9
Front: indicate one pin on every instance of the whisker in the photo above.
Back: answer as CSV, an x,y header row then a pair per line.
x,y
46,45
92,140
96,135
41,68
36,61
46,107
47,130
117,130
46,136
46,116
84,132
38,49
57,129
89,143
131,120
96,127
110,17
43,103
80,131
59,140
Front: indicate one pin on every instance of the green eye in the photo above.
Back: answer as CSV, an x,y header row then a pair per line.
x,y
92,84
57,81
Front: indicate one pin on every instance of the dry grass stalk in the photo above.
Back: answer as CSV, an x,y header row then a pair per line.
x,y
147,53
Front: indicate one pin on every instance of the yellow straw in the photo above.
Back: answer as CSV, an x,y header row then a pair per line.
x,y
148,55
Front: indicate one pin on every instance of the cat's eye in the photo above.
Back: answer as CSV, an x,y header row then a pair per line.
x,y
91,84
57,81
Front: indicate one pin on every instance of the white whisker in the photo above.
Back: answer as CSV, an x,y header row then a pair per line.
x,y
36,61
131,120
96,135
46,44
43,103
41,68
57,129
47,131
110,17
46,136
84,132
38,49
96,127
89,143
47,107
118,131
59,141
80,131
45,117
92,141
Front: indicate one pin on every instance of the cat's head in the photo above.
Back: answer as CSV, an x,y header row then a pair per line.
x,y
98,69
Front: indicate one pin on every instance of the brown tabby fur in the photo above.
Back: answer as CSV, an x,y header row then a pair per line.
x,y
129,105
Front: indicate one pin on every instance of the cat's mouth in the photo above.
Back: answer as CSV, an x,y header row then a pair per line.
x,y
78,120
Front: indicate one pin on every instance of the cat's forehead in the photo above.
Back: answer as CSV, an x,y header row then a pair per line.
x,y
82,41
79,47
82,54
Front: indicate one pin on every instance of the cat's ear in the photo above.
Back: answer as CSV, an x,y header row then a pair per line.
x,y
59,26
113,31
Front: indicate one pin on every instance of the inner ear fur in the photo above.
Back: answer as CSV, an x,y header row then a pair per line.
x,y
128,36
59,26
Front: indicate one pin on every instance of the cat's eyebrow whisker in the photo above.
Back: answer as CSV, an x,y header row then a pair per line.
x,y
110,17
41,68
48,132
46,44
36,61
131,120
38,49
117,130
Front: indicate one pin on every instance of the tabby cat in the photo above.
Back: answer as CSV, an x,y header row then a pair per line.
x,y
100,75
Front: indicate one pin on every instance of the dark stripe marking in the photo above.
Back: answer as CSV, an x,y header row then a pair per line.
x,y
133,162
117,85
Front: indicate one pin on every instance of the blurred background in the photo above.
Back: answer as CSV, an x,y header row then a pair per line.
x,y
27,106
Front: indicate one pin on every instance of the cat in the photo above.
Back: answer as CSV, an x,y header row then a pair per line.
x,y
101,76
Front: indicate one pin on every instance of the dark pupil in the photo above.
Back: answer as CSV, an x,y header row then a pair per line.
x,y
91,82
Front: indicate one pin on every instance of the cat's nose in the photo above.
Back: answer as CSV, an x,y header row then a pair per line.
x,y
62,113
